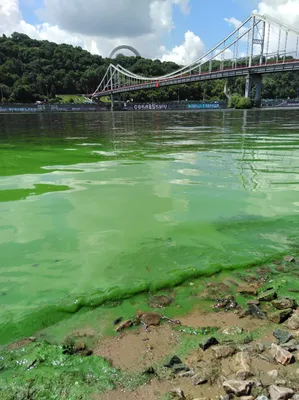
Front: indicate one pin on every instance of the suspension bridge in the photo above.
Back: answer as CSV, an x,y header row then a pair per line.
x,y
259,45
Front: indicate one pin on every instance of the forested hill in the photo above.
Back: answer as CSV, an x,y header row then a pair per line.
x,y
31,70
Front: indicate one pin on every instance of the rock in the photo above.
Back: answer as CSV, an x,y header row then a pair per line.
x,y
117,321
281,355
206,344
282,336
159,301
243,313
280,316
252,349
238,388
284,303
150,371
268,295
262,398
225,397
242,361
289,259
124,325
280,382
254,302
295,397
232,330
173,361
273,374
255,311
199,379
179,393
292,345
280,393
179,368
224,351
246,398
293,322
250,290
186,374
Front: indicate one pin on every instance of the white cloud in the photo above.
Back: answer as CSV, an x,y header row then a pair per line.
x,y
96,27
190,50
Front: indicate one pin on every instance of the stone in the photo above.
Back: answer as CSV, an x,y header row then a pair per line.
x,y
282,336
224,351
295,397
124,325
246,398
186,374
232,330
255,311
284,303
262,398
268,295
280,316
281,355
289,259
273,374
242,363
179,368
206,344
293,322
199,379
173,361
250,290
238,388
280,382
224,397
254,302
291,346
179,393
280,393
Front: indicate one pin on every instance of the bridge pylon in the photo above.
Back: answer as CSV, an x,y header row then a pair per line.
x,y
254,80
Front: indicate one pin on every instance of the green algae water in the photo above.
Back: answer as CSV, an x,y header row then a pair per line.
x,y
98,207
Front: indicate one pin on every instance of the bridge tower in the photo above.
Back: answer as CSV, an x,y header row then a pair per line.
x,y
257,39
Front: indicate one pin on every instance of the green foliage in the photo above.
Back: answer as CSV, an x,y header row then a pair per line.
x,y
32,70
239,102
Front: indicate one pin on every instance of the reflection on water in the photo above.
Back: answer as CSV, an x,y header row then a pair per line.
x,y
95,205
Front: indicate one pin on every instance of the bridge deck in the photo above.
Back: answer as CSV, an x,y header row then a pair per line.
x,y
205,76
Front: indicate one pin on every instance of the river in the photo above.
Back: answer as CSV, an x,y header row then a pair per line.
x,y
100,206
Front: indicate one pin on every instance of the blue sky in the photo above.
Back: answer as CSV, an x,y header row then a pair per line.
x,y
206,18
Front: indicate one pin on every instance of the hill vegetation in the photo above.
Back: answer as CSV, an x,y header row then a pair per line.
x,y
32,70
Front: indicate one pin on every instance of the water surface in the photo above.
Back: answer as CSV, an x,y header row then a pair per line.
x,y
99,206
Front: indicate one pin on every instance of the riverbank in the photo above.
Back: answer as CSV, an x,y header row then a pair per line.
x,y
225,333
